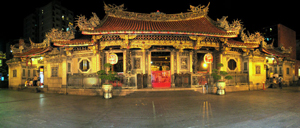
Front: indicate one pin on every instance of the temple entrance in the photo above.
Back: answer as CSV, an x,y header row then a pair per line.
x,y
118,68
160,70
41,76
202,69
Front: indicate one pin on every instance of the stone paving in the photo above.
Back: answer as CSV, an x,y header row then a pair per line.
x,y
190,109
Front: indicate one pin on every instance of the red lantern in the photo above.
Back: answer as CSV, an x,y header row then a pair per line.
x,y
113,58
208,58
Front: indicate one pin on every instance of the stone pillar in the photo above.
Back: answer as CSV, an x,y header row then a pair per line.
x,y
191,62
178,62
149,70
98,64
124,61
251,71
45,72
195,59
172,66
64,72
128,60
143,61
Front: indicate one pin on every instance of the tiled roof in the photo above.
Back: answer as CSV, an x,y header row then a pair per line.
x,y
74,42
32,52
274,52
199,26
235,43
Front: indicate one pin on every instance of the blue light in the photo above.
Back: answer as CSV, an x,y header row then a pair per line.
x,y
2,78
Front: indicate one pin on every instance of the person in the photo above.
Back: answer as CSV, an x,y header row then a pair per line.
x,y
26,83
280,82
35,80
29,82
273,83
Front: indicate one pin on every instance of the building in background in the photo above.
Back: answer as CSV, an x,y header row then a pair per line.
x,y
281,35
282,38
52,15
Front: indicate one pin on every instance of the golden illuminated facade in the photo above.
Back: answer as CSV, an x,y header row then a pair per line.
x,y
154,50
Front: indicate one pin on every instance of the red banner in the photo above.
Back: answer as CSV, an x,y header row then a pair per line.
x,y
161,79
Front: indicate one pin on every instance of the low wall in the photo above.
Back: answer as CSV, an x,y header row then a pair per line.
x,y
87,92
236,88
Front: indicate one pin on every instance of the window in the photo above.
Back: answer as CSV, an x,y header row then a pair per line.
x,y
14,73
280,70
84,65
275,70
28,73
69,67
287,71
54,71
257,69
231,64
270,70
245,66
34,72
23,74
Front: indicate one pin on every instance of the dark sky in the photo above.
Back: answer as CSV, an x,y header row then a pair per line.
x,y
253,13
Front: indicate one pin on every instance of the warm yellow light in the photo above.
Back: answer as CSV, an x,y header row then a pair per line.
x,y
204,65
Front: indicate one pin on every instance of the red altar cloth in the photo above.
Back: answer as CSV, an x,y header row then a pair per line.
x,y
161,79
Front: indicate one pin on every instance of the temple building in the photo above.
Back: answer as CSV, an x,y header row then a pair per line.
x,y
153,51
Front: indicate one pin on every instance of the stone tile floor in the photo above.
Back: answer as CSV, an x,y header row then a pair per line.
x,y
269,108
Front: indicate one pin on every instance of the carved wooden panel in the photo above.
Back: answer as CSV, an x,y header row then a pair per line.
x,y
184,63
137,63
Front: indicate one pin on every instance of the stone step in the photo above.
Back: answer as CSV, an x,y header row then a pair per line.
x,y
165,93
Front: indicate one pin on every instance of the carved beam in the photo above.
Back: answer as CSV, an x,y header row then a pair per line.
x,y
95,38
198,39
126,38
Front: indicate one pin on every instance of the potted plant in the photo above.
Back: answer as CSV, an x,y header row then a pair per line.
x,y
108,76
219,77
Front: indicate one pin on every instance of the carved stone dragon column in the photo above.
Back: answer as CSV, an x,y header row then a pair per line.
x,y
197,45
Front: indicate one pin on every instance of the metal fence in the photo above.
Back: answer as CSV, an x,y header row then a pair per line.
x,y
182,80
238,79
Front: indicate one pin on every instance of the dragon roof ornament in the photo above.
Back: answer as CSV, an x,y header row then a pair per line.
x,y
55,34
236,26
286,50
252,38
44,44
119,11
90,24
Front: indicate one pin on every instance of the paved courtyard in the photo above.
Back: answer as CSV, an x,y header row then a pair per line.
x,y
269,108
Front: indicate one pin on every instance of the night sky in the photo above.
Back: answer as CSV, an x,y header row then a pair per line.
x,y
253,14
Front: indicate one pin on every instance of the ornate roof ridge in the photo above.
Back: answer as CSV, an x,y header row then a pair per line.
x,y
119,11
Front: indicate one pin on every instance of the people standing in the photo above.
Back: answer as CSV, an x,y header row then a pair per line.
x,y
35,80
280,82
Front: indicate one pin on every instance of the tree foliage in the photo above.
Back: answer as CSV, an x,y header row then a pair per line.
x,y
218,75
107,76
